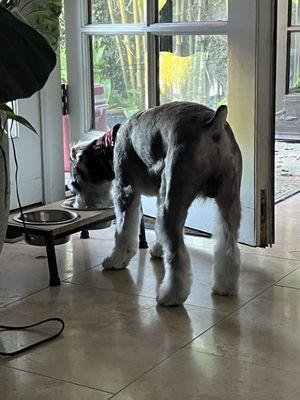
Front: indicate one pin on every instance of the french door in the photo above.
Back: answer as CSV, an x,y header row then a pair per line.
x,y
127,55
29,155
39,156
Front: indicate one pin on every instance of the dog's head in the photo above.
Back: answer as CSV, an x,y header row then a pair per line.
x,y
92,171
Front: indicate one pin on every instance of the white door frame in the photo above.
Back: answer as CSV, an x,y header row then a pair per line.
x,y
52,138
251,101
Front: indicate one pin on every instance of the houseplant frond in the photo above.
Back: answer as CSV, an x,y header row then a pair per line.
x,y
9,114
28,60
42,15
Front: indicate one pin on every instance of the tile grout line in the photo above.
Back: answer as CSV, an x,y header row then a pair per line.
x,y
244,361
170,355
144,296
80,272
109,290
270,256
201,334
56,379
65,280
23,298
288,287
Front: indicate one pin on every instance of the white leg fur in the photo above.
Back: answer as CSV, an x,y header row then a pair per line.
x,y
156,250
177,281
226,267
126,237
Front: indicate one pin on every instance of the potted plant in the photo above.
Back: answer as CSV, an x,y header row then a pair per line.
x,y
27,60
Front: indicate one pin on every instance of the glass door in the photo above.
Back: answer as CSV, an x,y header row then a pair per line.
x,y
127,55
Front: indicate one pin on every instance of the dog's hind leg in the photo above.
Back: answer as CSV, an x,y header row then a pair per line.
x,y
177,281
226,267
128,216
156,250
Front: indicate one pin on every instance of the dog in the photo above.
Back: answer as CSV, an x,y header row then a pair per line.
x,y
91,175
177,152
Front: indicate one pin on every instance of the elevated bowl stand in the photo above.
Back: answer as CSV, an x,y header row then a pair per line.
x,y
87,220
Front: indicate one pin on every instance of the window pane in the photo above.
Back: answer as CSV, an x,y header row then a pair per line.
x,y
295,20
192,10
116,11
193,68
295,63
119,78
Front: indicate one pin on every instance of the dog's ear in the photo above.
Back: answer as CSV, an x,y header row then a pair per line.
x,y
75,154
219,118
115,130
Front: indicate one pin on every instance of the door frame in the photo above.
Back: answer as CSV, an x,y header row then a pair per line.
x,y
52,138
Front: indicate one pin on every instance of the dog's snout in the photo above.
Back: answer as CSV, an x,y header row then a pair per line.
x,y
73,185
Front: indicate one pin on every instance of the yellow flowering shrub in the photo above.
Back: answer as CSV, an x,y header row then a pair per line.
x,y
174,69
161,3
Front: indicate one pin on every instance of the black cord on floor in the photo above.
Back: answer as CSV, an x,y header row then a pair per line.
x,y
27,236
18,328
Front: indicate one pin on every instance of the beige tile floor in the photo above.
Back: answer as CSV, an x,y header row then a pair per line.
x,y
118,344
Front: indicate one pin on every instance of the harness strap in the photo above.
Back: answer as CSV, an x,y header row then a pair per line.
x,y
106,141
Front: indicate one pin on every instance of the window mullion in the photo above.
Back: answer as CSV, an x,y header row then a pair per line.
x,y
151,12
152,70
197,28
114,29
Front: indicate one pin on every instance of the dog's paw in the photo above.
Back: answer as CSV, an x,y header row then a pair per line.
x,y
156,250
167,296
221,290
168,299
118,260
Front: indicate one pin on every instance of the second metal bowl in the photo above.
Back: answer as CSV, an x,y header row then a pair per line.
x,y
47,217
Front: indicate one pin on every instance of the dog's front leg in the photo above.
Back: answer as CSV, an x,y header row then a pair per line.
x,y
128,216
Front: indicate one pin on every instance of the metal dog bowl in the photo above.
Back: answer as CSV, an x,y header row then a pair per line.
x,y
37,240
68,203
47,217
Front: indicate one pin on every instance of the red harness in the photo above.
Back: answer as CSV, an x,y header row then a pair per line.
x,y
105,142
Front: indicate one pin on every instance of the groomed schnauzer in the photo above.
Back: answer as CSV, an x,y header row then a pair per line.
x,y
176,152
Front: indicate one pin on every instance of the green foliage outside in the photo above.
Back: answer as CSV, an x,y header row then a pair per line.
x,y
197,65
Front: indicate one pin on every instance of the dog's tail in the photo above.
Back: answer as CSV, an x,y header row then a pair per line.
x,y
217,124
215,142
224,153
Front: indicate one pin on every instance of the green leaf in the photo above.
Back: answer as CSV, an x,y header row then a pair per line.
x,y
42,15
4,107
27,58
14,117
